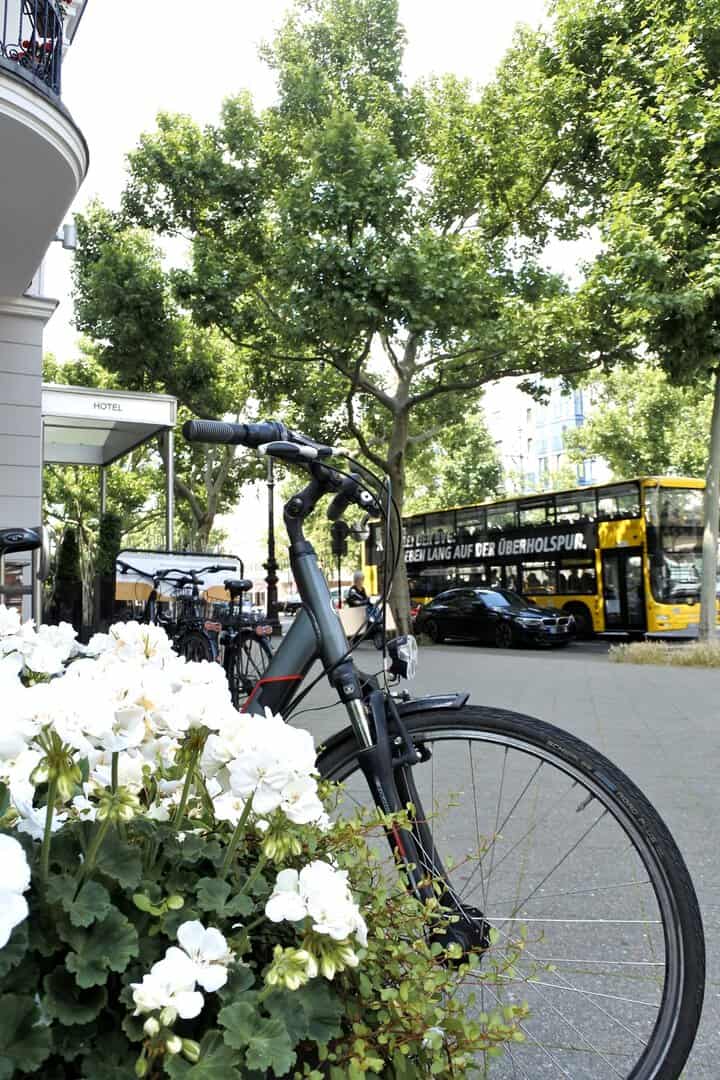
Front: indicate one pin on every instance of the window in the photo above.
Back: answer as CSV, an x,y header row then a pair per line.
x,y
537,511
501,517
543,466
500,598
440,527
621,501
575,507
529,447
470,521
577,576
539,578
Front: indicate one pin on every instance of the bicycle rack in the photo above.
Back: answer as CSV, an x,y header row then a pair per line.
x,y
18,541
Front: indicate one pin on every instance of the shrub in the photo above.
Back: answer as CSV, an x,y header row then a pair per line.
x,y
175,900
692,654
108,545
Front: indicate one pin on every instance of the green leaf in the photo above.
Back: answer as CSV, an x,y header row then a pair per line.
x,y
25,1043
92,902
106,946
14,951
120,861
240,979
115,1062
213,895
217,1062
66,1002
239,1021
267,1043
312,1012
4,799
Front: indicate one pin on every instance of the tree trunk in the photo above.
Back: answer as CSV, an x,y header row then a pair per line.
x,y
400,595
708,592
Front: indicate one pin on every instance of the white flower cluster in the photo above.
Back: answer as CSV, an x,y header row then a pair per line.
x,y
131,694
321,892
15,882
268,760
171,985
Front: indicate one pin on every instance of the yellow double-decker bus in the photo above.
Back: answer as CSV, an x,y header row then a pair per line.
x,y
620,557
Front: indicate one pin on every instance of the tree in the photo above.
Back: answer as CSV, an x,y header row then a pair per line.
x,y
645,425
123,302
460,465
640,83
373,247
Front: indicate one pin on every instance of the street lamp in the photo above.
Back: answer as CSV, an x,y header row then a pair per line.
x,y
272,565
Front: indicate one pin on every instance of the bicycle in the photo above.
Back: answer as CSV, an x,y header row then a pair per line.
x,y
244,643
563,878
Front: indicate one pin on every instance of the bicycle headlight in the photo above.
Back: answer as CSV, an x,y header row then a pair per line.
x,y
403,656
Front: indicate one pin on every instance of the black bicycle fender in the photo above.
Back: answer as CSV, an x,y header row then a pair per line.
x,y
433,703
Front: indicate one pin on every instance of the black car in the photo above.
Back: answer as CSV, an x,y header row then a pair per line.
x,y
495,615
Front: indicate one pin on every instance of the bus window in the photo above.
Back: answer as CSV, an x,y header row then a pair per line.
x,y
575,507
539,578
469,522
511,578
674,534
577,576
440,527
537,511
621,501
501,517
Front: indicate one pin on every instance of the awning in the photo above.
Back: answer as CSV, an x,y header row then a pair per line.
x,y
83,426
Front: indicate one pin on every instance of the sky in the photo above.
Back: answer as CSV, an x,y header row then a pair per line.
x,y
134,58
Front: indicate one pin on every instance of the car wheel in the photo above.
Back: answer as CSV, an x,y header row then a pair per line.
x,y
433,631
504,635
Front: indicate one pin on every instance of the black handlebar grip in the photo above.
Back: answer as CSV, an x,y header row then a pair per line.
x,y
221,431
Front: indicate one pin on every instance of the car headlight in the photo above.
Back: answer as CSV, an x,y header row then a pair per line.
x,y
403,656
529,623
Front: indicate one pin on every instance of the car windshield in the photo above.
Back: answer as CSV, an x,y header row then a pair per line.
x,y
502,598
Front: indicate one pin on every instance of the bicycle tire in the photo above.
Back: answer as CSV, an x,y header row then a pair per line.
x,y
194,645
242,670
679,1008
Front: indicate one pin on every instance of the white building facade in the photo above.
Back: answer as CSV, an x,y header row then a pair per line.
x,y
43,162
530,436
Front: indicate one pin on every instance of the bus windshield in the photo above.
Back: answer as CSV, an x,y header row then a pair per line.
x,y
674,517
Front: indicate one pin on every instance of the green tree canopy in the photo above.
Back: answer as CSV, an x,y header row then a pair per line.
x,y
373,248
640,84
645,425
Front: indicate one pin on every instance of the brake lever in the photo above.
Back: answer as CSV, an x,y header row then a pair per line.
x,y
289,451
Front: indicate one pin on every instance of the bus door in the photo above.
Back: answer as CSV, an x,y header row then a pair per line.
x,y
623,589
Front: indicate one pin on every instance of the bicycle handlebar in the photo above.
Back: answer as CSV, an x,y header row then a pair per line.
x,y
278,439
183,571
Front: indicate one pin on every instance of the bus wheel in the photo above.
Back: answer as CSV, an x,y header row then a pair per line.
x,y
583,620
433,631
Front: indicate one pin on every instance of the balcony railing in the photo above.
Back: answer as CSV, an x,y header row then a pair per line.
x,y
31,40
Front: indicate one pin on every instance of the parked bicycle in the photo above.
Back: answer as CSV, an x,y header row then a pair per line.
x,y
236,639
564,881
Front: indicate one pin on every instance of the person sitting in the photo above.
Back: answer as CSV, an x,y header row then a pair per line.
x,y
356,595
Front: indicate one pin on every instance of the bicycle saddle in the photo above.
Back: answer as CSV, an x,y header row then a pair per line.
x,y
237,586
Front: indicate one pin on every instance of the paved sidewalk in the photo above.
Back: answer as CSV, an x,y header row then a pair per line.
x,y
661,725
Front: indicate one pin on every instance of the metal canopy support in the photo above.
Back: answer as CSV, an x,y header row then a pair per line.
x,y
169,437
103,490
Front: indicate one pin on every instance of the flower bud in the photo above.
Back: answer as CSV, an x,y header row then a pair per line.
x,y
168,1016
141,1067
174,1044
175,902
151,1027
191,1050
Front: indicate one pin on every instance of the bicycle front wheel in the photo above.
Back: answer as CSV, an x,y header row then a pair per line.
x,y
598,929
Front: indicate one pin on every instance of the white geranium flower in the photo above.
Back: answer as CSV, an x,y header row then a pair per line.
x,y
61,637
322,893
9,621
32,819
44,659
286,903
228,807
263,774
15,881
170,984
98,643
208,951
300,802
